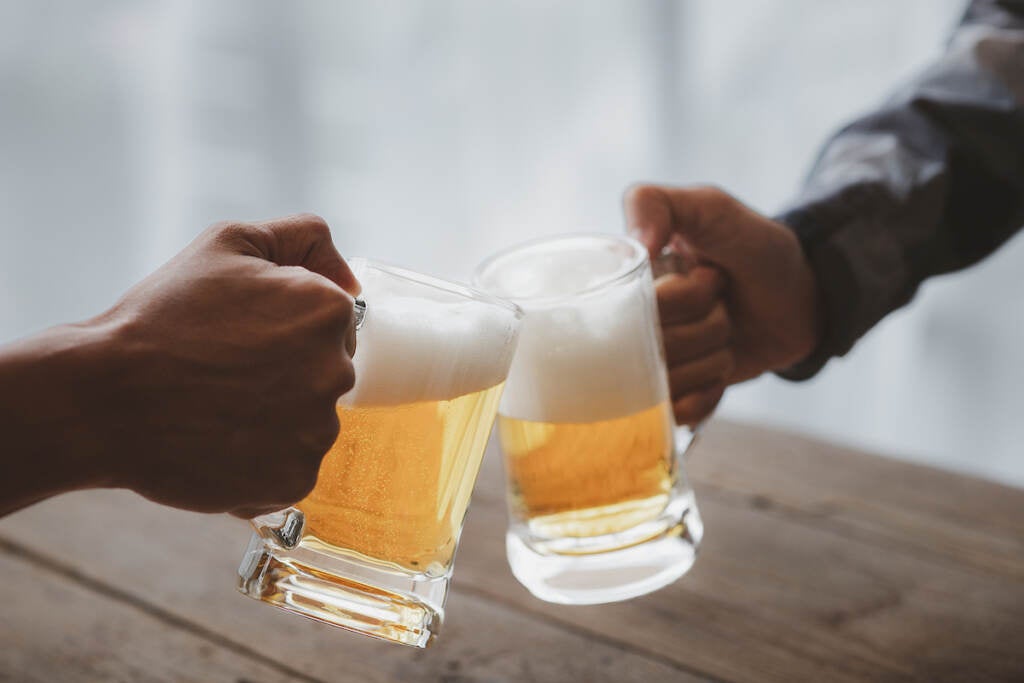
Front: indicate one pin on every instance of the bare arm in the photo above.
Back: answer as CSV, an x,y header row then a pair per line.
x,y
49,386
210,386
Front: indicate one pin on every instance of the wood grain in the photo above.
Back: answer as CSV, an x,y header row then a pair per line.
x,y
819,563
777,599
181,567
958,518
52,629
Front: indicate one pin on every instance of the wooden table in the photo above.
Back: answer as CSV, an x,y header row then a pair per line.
x,y
818,564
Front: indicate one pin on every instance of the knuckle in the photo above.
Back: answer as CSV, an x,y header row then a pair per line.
x,y
314,224
677,337
298,483
324,434
328,299
711,192
709,278
683,299
714,198
702,297
222,226
671,335
667,288
719,326
694,407
230,230
346,379
337,305
333,314
725,362
686,412
245,238
641,193
332,382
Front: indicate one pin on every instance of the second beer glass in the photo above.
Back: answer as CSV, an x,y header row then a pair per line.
x,y
600,507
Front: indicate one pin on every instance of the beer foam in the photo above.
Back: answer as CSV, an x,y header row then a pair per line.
x,y
419,344
557,269
587,352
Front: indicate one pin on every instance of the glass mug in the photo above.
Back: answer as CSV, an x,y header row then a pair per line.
x,y
600,509
370,549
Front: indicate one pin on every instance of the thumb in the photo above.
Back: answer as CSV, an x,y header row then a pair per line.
x,y
704,219
303,240
648,217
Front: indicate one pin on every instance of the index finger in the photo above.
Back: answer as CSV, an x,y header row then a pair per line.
x,y
685,298
304,240
648,216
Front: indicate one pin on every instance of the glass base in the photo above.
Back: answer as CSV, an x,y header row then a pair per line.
x,y
345,592
590,571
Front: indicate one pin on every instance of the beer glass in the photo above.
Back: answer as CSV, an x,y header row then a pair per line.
x,y
370,549
599,506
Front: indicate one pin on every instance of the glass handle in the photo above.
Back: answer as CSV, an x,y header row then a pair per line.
x,y
282,528
359,311
674,259
686,438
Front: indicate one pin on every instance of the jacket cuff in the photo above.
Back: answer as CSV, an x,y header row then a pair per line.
x,y
839,292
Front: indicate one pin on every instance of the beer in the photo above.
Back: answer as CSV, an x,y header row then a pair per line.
x,y
589,478
585,423
599,507
396,483
371,547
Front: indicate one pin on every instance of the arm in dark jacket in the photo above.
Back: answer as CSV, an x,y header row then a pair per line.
x,y
931,182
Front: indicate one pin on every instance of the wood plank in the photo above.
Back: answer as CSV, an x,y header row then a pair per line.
x,y
771,599
182,565
53,629
779,593
969,521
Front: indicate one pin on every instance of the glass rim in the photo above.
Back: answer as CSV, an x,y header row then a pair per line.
x,y
449,286
628,270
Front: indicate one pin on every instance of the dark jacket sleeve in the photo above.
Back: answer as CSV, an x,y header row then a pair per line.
x,y
931,182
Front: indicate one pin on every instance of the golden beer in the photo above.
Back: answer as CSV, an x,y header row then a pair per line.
x,y
395,485
371,548
600,509
589,478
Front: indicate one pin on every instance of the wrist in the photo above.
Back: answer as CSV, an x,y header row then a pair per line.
x,y
816,351
810,302
813,304
103,400
53,407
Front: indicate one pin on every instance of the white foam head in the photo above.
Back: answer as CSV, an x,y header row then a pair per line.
x,y
589,348
424,339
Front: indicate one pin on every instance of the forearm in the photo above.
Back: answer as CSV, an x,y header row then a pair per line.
x,y
52,388
931,182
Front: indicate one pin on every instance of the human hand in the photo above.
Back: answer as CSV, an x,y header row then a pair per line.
x,y
231,358
748,305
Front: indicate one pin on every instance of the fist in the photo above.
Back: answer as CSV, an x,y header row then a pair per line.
x,y
697,332
749,303
232,358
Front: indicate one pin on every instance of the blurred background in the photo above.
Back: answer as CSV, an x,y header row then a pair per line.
x,y
430,133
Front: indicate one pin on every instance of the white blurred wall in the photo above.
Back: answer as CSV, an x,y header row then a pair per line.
x,y
432,132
